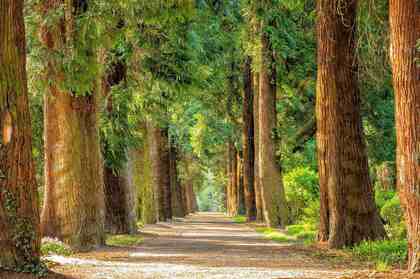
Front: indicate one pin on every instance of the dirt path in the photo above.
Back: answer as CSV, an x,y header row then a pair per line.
x,y
205,245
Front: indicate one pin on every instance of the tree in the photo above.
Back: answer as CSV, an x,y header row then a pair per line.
x,y
248,142
347,199
159,143
73,209
405,30
232,188
272,190
19,217
178,194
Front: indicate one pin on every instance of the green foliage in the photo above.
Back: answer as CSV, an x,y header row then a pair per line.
x,y
54,247
301,185
392,213
240,219
124,240
383,252
275,235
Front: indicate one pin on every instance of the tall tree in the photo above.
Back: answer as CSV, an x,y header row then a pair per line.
x,y
232,199
248,142
73,209
405,32
120,214
270,176
159,147
347,198
177,193
19,217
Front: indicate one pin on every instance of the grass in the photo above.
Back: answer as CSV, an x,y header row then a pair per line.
x,y
294,233
383,253
275,235
123,240
240,219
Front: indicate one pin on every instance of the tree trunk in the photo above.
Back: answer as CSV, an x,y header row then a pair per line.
x,y
240,185
248,142
405,31
19,217
178,206
119,192
158,140
142,179
257,187
348,211
233,181
272,190
73,208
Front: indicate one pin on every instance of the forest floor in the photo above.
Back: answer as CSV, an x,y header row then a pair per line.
x,y
210,246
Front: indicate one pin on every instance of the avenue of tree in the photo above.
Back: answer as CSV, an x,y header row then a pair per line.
x,y
133,104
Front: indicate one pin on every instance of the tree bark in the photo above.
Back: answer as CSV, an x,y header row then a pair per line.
x,y
233,181
119,192
73,209
240,185
257,187
248,142
178,205
19,216
405,32
270,177
159,143
142,178
348,211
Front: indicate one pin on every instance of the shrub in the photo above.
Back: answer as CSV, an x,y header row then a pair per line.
x,y
51,246
301,186
393,215
383,252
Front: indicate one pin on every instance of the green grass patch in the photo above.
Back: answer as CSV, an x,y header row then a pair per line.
x,y
51,246
240,219
384,253
124,240
275,235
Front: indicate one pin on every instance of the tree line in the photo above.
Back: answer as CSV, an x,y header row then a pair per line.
x,y
138,97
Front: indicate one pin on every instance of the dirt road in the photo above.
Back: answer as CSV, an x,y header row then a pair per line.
x,y
204,245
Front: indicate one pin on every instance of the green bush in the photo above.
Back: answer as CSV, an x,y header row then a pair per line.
x,y
52,246
301,186
240,219
383,252
393,215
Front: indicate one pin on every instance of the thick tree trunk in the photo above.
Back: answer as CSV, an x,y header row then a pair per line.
x,y
405,32
272,190
142,179
159,145
257,187
178,205
19,217
73,208
348,211
248,142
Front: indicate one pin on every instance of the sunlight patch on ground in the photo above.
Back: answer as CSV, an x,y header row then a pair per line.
x,y
115,270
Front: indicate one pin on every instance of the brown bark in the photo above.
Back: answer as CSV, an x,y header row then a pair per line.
x,y
178,205
248,143
142,178
257,187
348,211
405,32
240,185
270,177
19,216
73,209
120,218
233,206
158,140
